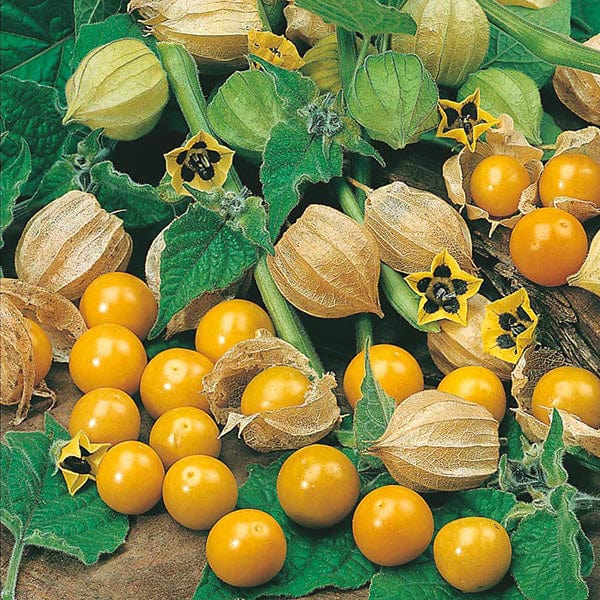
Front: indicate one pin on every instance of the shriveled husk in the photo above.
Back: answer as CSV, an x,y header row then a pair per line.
x,y
59,318
451,38
215,32
412,226
304,26
457,346
582,141
533,364
120,87
579,90
69,243
588,276
327,265
439,442
502,139
283,429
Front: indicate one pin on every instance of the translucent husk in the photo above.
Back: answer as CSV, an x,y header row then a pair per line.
x,y
304,26
457,346
588,276
215,32
579,90
119,87
502,139
70,242
451,39
412,226
583,141
327,265
59,318
533,364
438,442
283,429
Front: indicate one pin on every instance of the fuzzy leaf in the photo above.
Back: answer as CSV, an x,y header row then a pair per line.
x,y
350,138
511,435
252,222
315,558
202,254
93,11
367,16
551,459
585,19
37,509
292,157
394,98
583,458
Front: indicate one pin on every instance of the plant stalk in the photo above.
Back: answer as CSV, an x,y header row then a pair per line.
x,y
10,583
346,42
363,327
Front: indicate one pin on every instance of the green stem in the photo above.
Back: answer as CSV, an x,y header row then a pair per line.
x,y
347,200
184,82
364,330
364,50
547,45
284,317
346,42
10,583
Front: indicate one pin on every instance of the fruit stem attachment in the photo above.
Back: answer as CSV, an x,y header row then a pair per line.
x,y
10,582
547,45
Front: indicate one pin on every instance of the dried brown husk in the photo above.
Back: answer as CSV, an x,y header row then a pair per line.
x,y
412,226
439,442
456,346
327,265
502,139
283,429
533,364
579,90
588,276
69,243
58,317
304,26
215,32
189,317
582,141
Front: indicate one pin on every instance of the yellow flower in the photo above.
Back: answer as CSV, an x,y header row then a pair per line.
x,y
79,460
444,290
202,163
275,49
508,326
464,121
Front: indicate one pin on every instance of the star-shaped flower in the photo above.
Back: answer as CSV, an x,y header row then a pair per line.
x,y
276,49
464,121
202,163
508,326
79,460
444,290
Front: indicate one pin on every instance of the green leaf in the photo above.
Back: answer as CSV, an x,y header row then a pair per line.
x,y
14,173
546,562
30,111
367,16
549,131
37,41
315,558
511,92
244,110
345,437
505,52
551,459
394,98
139,205
60,178
583,458
37,508
350,138
586,553
294,156
92,11
511,437
585,19
202,253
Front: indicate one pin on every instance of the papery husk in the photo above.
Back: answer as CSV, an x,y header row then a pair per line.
x,y
189,317
304,26
412,226
215,32
283,429
70,242
439,442
533,364
327,265
582,141
502,139
588,276
456,346
536,4
59,318
579,90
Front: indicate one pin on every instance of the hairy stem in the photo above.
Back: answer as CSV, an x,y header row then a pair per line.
x,y
10,583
